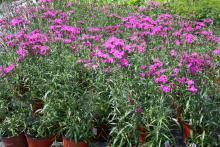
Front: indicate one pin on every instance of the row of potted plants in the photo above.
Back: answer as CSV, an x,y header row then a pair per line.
x,y
134,74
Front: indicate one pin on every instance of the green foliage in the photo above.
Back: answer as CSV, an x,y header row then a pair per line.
x,y
75,93
200,9
14,123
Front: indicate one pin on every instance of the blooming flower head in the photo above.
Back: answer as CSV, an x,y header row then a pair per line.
x,y
21,52
9,68
171,84
161,79
143,67
142,74
188,38
173,53
45,1
207,20
178,42
138,110
165,89
216,51
190,82
124,62
181,80
43,50
192,89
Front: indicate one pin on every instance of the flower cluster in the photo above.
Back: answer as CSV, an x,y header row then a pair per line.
x,y
171,41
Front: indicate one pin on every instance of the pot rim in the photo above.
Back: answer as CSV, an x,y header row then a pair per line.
x,y
18,134
73,140
28,136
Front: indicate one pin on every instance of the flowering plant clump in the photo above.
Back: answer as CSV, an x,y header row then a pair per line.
x,y
142,63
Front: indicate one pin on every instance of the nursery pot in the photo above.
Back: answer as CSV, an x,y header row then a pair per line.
x,y
39,142
101,132
15,141
142,134
59,138
71,143
36,104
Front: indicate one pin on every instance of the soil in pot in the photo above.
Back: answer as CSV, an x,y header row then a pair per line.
x,y
70,143
101,132
59,138
142,134
36,104
15,141
39,142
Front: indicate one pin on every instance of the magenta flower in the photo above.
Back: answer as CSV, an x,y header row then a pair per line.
x,y
161,79
177,33
140,49
173,53
113,42
188,38
142,74
21,52
117,54
17,60
124,62
178,42
207,20
94,29
1,70
45,1
143,67
43,50
70,29
9,68
165,89
106,70
192,89
155,4
108,60
216,52
181,80
190,82
138,110
159,72
17,21
171,84
128,48
202,82
68,4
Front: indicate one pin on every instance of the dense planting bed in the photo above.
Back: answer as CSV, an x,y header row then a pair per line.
x,y
125,75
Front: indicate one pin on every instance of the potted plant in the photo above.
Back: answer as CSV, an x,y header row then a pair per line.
x,y
39,131
77,122
12,130
101,110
